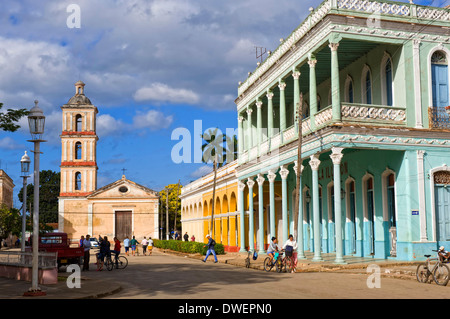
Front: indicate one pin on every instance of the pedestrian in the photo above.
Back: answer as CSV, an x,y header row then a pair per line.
x,y
290,248
211,244
133,243
81,241
116,250
193,238
144,243
87,252
176,236
126,244
150,246
105,250
186,237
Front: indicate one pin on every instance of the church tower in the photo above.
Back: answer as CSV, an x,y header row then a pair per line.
x,y
79,145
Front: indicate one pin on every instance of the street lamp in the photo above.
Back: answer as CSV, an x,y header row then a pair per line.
x,y
25,169
36,123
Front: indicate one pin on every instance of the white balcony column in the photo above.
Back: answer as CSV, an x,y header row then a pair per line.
x,y
284,172
269,114
312,92
421,191
336,157
314,163
282,87
249,128
260,181
251,220
296,76
271,177
335,88
241,135
259,134
300,239
241,187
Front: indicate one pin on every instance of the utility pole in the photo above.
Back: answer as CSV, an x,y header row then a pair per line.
x,y
176,209
299,165
167,212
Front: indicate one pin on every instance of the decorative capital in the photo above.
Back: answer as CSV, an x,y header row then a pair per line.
x,y
269,95
284,172
314,162
249,111
296,168
333,46
240,119
296,75
259,104
282,86
260,179
271,176
420,154
336,155
416,43
312,63
241,186
250,183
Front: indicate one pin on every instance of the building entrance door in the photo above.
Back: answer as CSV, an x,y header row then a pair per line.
x,y
443,214
123,224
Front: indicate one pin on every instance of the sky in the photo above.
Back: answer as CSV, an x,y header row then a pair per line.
x,y
150,66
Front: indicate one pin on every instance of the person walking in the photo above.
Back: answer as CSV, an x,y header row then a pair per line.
x,y
126,244
211,244
81,241
105,250
186,237
150,246
290,247
87,252
133,243
144,243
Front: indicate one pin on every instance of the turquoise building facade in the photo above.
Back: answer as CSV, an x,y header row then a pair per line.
x,y
372,79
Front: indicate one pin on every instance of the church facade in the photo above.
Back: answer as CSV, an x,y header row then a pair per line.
x,y
123,208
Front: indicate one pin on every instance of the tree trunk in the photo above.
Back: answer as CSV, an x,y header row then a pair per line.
x,y
299,165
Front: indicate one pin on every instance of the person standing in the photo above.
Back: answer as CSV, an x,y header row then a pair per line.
x,y
186,237
116,250
133,243
291,250
150,246
126,244
81,241
193,238
87,252
144,243
211,244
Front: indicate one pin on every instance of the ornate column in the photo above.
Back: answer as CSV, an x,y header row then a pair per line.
x,y
296,76
271,177
260,181
282,87
284,172
336,157
269,114
241,135
300,250
259,138
241,187
421,192
417,80
335,88
314,163
251,228
249,129
312,92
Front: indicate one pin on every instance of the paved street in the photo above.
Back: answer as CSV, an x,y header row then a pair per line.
x,y
163,276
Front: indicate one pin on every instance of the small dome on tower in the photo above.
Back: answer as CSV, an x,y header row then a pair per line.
x,y
79,97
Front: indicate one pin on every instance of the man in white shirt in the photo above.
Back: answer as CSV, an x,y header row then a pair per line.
x,y
150,245
144,243
87,252
292,243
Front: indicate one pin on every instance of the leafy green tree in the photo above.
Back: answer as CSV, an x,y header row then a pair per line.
x,y
8,120
49,189
10,221
174,206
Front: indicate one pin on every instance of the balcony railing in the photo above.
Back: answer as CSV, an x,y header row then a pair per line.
x,y
439,117
373,114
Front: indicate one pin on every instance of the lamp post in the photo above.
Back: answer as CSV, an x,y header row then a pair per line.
x,y
36,123
168,190
25,169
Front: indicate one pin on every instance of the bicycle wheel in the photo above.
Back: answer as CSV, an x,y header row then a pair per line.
x,y
441,275
267,264
422,273
109,264
247,262
122,262
289,265
280,265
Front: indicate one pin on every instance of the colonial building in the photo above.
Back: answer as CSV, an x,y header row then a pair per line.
x,y
122,208
373,79
6,189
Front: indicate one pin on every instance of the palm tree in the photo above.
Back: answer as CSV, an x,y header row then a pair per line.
x,y
214,152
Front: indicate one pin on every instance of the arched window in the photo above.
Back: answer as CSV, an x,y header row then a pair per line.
x,y
390,181
78,150
349,92
318,102
388,82
78,123
77,181
368,88
439,79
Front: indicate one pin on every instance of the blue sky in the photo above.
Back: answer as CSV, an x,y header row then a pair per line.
x,y
150,66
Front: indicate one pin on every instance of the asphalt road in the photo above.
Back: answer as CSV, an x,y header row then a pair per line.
x,y
163,276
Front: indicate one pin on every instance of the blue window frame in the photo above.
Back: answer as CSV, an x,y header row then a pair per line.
x,y
368,88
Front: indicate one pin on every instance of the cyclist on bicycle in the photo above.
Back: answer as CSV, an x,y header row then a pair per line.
x,y
290,247
104,251
443,254
273,247
116,250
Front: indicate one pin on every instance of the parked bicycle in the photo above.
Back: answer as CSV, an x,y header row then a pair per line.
x,y
286,263
438,271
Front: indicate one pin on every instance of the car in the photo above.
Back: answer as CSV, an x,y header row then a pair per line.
x,y
94,242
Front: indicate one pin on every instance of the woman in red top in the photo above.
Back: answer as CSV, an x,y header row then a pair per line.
x,y
116,249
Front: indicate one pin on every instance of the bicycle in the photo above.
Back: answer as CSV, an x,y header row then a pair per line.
x,y
440,272
247,260
286,263
120,262
269,263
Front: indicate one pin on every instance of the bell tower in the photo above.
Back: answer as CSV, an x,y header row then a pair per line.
x,y
79,145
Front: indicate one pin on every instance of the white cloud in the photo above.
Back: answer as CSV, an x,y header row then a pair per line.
x,y
108,125
201,171
153,120
160,92
9,144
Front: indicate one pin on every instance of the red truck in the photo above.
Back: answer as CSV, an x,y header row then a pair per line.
x,y
58,242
